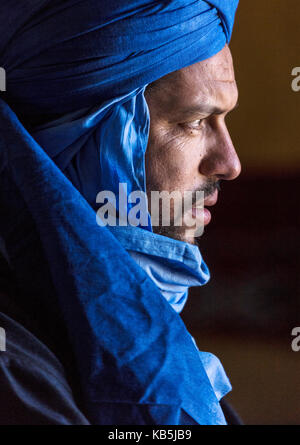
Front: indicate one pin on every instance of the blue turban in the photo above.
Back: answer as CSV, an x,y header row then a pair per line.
x,y
76,75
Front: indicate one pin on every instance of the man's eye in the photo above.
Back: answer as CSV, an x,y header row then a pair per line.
x,y
195,125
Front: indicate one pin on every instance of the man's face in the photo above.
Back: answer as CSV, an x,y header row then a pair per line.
x,y
189,145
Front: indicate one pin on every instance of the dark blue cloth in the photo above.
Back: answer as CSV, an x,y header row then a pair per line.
x,y
33,382
136,361
60,56
125,335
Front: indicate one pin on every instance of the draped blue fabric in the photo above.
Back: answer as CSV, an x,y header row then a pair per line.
x,y
116,126
120,46
81,68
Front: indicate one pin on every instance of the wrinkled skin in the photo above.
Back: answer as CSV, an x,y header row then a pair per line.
x,y
189,145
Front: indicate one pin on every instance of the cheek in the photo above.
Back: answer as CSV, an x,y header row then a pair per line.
x,y
172,161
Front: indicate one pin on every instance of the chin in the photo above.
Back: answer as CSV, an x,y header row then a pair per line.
x,y
177,233
189,239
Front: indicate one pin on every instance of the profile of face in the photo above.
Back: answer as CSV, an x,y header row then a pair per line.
x,y
189,147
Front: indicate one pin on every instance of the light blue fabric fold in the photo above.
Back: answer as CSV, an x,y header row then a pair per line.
x,y
174,266
99,148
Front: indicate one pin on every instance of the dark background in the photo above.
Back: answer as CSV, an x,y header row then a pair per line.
x,y
246,313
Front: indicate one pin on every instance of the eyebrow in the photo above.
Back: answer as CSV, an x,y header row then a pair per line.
x,y
206,109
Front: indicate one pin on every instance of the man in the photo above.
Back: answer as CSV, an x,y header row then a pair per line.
x,y
91,312
189,145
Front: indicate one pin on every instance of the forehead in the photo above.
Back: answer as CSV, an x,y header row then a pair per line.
x,y
218,68
211,82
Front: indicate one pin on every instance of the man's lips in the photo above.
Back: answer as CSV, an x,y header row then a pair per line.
x,y
211,200
199,211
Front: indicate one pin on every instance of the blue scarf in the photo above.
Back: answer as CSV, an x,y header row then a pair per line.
x,y
174,266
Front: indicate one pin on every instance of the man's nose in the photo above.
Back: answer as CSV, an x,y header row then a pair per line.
x,y
221,160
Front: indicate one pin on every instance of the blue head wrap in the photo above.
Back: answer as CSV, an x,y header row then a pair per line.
x,y
81,68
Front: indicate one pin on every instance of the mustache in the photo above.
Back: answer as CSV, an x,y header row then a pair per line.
x,y
209,189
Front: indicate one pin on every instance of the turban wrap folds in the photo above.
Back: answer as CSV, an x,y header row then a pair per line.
x,y
76,73
61,56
